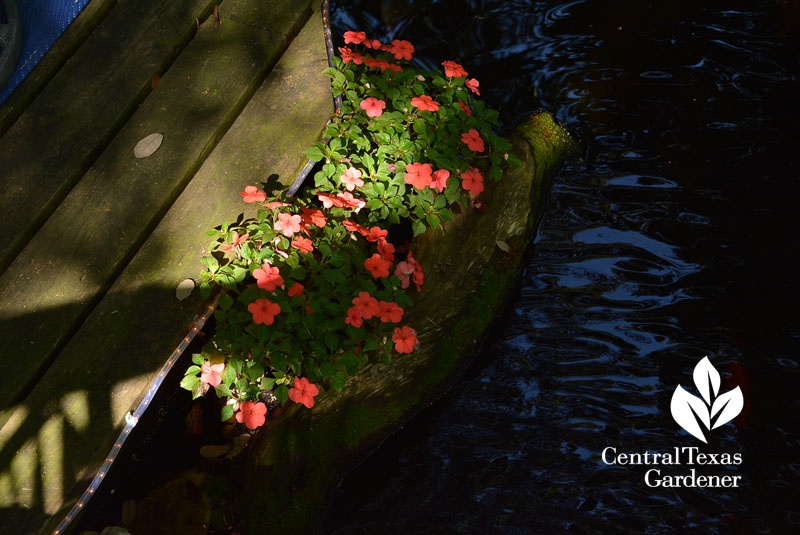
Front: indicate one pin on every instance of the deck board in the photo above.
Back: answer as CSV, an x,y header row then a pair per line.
x,y
129,231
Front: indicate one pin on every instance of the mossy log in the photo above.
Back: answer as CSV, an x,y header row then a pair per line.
x,y
298,457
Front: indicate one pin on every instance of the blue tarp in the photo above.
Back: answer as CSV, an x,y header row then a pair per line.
x,y
43,22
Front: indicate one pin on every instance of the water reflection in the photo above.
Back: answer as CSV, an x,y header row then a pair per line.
x,y
674,238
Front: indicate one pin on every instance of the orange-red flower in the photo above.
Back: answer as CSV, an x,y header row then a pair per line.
x,y
378,266
374,43
303,392
253,194
351,178
418,175
395,68
288,224
295,289
473,140
472,84
253,415
236,241
313,216
375,234
386,250
425,103
211,374
390,312
439,182
347,200
376,63
350,226
366,305
348,56
264,311
354,317
404,338
453,69
329,201
407,270
276,204
401,49
354,37
373,106
303,244
472,181
465,108
268,277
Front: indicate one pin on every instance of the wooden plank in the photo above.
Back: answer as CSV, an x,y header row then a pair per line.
x,y
72,38
73,259
82,399
49,148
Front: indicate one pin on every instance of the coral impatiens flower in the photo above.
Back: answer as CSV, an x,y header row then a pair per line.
x,y
211,374
329,201
348,56
425,103
453,69
313,216
378,266
374,43
347,200
366,305
268,277
473,140
276,204
472,181
407,270
419,175
390,312
376,233
354,37
439,182
253,194
373,106
351,178
465,108
295,289
236,241
303,244
386,250
253,415
400,49
472,84
354,317
404,338
303,392
264,311
354,227
288,224
376,63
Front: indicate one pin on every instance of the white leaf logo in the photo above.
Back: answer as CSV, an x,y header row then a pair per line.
x,y
690,411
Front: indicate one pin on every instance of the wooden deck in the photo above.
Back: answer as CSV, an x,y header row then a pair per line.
x,y
95,241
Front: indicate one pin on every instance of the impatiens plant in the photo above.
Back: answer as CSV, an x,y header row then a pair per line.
x,y
313,289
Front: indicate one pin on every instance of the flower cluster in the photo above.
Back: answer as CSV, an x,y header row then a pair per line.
x,y
314,289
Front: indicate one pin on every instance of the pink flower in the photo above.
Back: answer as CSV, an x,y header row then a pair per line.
x,y
253,415
373,106
378,266
303,244
348,56
253,194
465,108
472,84
401,49
211,374
303,392
268,277
264,311
425,103
329,201
276,204
288,224
296,289
386,250
236,241
472,181
390,312
404,338
439,182
366,305
313,216
351,178
418,175
408,270
473,140
354,37
453,69
347,200
354,227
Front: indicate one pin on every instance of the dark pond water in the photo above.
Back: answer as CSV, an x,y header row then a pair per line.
x,y
673,238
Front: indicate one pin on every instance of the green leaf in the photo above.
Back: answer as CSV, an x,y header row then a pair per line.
x,y
211,263
282,393
338,381
228,375
327,369
198,359
418,227
225,301
189,382
314,153
268,383
350,362
192,370
223,390
227,413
